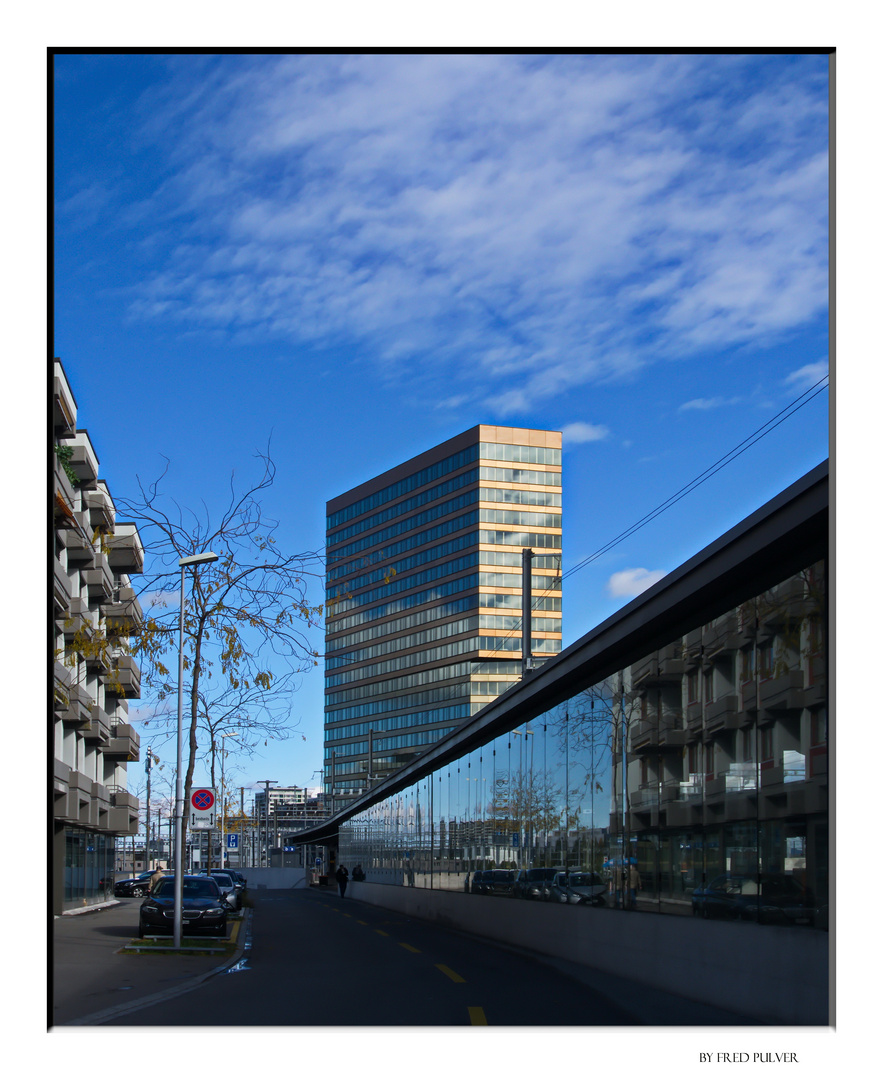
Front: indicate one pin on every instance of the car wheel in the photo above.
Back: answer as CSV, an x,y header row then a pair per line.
x,y
142,930
138,891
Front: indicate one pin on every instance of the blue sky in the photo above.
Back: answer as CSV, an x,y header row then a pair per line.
x,y
359,256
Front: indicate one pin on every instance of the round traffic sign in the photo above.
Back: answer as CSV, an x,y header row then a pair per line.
x,y
202,799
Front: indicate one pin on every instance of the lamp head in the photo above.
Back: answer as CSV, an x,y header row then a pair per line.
x,y
193,560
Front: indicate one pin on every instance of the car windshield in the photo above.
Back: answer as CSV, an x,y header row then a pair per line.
x,y
224,879
583,879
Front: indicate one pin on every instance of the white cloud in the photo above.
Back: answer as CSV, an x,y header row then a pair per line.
x,y
632,582
580,432
708,403
529,221
807,376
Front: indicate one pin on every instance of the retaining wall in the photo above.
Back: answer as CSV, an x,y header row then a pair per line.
x,y
772,974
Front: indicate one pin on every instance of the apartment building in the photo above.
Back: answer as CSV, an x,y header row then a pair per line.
x,y
425,566
94,612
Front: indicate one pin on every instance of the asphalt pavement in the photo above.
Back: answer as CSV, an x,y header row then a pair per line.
x,y
94,983
91,981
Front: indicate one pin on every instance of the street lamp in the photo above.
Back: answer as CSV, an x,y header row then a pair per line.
x,y
190,560
266,784
226,735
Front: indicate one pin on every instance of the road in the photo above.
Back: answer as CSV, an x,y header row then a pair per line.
x,y
318,960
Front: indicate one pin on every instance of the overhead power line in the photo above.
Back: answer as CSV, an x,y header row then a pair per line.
x,y
737,451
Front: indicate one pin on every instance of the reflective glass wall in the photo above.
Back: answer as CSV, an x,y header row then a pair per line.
x,y
88,867
692,781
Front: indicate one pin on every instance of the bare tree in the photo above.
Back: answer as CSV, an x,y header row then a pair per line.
x,y
247,616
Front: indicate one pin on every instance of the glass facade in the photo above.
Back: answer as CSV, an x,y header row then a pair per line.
x,y
88,867
417,570
692,781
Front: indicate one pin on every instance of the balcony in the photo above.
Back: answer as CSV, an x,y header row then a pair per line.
x,y
61,586
99,729
79,796
98,579
61,778
101,509
124,743
63,487
126,550
694,718
123,815
783,693
124,615
723,635
64,413
78,709
83,460
124,676
663,667
722,714
76,620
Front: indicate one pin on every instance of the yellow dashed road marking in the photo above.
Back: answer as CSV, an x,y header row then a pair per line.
x,y
361,922
476,1015
410,948
452,975
382,933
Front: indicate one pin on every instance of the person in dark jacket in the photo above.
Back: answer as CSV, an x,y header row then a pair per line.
x,y
343,876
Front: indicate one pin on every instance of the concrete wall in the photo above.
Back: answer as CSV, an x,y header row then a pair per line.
x,y
273,877
775,975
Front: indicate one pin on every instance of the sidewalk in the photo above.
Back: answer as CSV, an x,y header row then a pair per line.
x,y
91,981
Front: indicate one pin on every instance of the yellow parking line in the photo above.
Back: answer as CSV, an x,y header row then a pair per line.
x,y
452,975
382,933
234,933
410,948
476,1015
361,922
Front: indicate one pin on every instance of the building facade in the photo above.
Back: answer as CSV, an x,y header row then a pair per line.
x,y
94,612
680,752
425,567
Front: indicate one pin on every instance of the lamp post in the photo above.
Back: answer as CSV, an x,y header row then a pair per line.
x,y
226,735
190,560
266,784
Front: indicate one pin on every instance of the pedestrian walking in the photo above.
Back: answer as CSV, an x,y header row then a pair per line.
x,y
634,883
157,876
343,876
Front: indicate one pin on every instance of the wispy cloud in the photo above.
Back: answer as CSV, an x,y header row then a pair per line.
x,y
707,403
580,432
533,223
633,582
807,376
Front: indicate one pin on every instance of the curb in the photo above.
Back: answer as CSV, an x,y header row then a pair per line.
x,y
166,995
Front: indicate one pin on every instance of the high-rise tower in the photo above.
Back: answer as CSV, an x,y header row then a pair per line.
x,y
424,594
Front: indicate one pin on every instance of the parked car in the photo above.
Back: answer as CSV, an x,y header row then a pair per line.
x,y
590,887
203,908
499,882
780,898
478,879
231,890
560,892
137,886
533,884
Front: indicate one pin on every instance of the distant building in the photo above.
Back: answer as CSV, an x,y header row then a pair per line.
x,y
94,612
424,595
